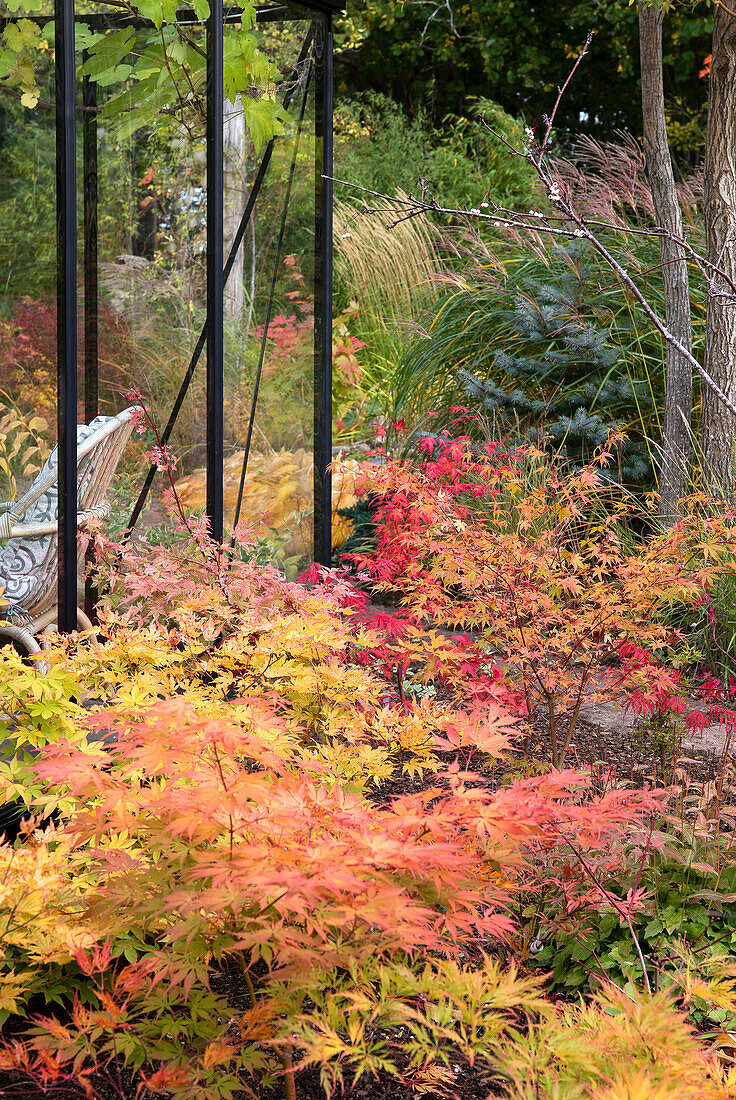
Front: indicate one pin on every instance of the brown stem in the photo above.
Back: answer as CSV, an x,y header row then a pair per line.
x,y
400,683
154,428
289,1083
560,93
573,721
622,911
552,727
247,978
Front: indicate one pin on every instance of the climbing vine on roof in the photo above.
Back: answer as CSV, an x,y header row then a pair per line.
x,y
154,69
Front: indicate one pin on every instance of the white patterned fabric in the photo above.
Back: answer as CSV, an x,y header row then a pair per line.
x,y
23,561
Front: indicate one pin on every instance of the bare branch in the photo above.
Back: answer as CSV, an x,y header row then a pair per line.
x,y
560,93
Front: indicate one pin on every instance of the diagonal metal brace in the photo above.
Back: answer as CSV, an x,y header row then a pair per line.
x,y
237,241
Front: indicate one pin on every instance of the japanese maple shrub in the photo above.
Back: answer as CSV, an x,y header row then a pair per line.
x,y
559,603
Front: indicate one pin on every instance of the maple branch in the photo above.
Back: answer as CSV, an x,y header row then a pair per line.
x,y
517,221
289,1083
552,726
226,789
624,913
136,396
247,979
576,712
603,974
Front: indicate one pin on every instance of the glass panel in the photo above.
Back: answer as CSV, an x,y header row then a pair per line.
x,y
148,310
270,324
27,323
152,271
153,286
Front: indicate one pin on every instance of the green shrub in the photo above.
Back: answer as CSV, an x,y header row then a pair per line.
x,y
379,147
688,880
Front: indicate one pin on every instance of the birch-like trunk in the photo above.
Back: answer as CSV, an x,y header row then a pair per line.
x,y
719,425
676,442
234,198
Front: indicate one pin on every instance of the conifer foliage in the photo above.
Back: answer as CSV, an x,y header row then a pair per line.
x,y
540,349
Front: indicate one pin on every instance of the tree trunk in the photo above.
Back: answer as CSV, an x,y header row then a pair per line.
x,y
676,444
234,192
719,425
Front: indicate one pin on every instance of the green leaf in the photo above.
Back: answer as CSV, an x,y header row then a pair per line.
x,y
153,10
144,116
84,36
22,34
114,76
264,117
671,918
106,55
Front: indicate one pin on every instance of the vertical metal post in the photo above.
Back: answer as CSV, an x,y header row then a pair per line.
x,y
293,85
215,281
91,316
66,307
91,304
323,298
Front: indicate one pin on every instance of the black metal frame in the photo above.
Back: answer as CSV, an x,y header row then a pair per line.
x,y
215,282
66,316
323,299
319,46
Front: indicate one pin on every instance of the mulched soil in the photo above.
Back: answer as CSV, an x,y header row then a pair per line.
x,y
627,754
469,1084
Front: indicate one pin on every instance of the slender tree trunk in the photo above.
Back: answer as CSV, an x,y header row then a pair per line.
x,y
719,425
234,190
676,445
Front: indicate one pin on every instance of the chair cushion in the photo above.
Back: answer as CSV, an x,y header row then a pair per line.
x,y
24,562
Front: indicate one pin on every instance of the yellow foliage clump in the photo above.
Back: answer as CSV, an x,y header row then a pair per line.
x,y
278,493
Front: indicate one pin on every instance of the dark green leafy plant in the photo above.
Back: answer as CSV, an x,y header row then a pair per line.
x,y
380,147
688,881
362,537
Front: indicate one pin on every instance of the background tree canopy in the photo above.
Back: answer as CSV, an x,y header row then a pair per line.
x,y
435,56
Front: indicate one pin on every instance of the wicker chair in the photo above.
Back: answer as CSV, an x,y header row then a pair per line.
x,y
29,564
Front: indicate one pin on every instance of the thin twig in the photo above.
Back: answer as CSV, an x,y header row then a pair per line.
x,y
560,93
